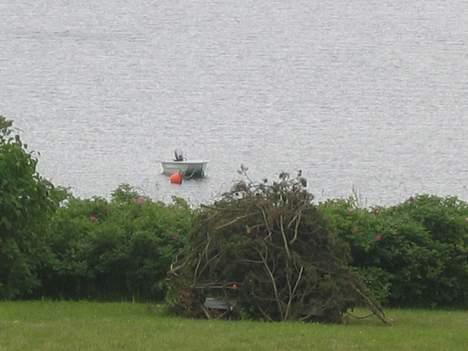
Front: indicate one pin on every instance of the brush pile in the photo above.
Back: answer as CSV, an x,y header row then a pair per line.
x,y
263,251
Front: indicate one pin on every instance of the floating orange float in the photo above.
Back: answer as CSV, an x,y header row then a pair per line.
x,y
176,178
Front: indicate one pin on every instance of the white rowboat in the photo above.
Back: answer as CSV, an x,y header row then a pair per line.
x,y
193,168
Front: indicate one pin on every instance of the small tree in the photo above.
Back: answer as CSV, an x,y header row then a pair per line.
x,y
265,251
24,206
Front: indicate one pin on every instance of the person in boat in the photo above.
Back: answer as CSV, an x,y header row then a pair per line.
x,y
178,155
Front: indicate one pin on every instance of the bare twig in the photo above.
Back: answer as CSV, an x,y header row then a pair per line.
x,y
273,281
285,240
237,219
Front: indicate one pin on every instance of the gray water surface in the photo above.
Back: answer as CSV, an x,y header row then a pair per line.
x,y
364,94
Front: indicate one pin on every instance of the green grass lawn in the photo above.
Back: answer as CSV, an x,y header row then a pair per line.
x,y
125,326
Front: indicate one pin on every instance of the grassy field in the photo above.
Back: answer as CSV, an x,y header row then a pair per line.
x,y
125,326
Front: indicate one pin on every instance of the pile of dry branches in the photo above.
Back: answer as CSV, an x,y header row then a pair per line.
x,y
264,251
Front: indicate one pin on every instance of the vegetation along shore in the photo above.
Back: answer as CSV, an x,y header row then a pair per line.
x,y
263,251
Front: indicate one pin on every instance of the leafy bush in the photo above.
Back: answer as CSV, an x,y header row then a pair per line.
x,y
25,204
114,249
445,220
413,254
266,252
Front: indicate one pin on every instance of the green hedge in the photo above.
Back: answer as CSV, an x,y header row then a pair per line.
x,y
412,254
117,249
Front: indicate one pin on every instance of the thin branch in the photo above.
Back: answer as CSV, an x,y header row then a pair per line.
x,y
285,240
267,224
379,313
296,228
273,282
264,313
293,293
237,219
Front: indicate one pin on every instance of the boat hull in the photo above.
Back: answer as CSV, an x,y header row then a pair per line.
x,y
191,169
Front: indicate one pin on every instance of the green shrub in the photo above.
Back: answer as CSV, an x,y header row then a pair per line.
x,y
446,222
25,204
415,252
118,249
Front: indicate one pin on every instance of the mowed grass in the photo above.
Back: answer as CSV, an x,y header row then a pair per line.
x,y
125,326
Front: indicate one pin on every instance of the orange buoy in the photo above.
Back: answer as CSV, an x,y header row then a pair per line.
x,y
176,178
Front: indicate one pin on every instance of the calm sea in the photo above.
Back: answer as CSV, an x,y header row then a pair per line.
x,y
370,95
